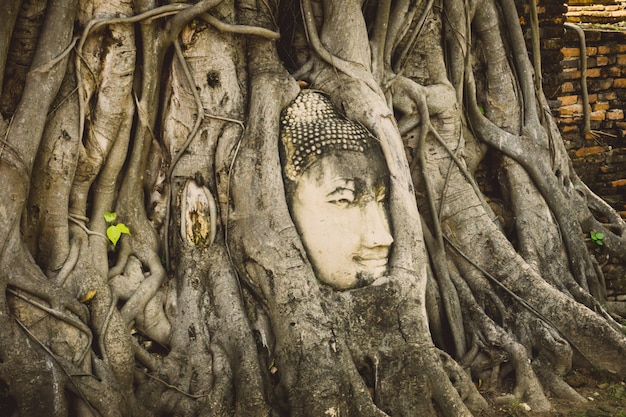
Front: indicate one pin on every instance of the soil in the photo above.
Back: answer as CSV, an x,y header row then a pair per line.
x,y
605,393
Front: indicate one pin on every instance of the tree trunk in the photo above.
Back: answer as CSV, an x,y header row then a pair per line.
x,y
152,262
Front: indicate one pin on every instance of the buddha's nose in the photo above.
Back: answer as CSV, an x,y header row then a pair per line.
x,y
375,231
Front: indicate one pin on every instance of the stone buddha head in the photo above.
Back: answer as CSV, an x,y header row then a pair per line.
x,y
336,182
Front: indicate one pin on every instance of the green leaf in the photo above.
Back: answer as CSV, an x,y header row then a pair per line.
x,y
599,236
599,242
482,111
123,228
110,216
113,233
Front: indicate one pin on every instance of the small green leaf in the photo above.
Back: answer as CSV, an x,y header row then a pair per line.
x,y
599,236
113,233
482,111
123,228
110,216
599,242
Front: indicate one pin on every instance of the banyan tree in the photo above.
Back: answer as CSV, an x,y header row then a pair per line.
x,y
272,208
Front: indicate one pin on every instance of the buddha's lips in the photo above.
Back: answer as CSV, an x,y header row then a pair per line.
x,y
371,262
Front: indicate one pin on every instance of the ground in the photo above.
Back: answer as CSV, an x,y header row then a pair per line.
x,y
606,394
605,391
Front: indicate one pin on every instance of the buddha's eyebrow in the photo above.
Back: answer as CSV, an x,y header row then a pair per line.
x,y
339,190
339,183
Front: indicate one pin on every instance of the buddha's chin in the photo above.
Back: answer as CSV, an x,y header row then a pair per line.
x,y
361,277
366,277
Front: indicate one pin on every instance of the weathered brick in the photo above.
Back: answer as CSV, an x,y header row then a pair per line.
x,y
592,98
600,84
591,150
601,105
571,109
621,59
567,100
570,129
619,83
570,63
606,49
607,96
618,183
615,114
614,72
602,60
569,52
567,87
593,73
571,74
568,120
597,115
621,48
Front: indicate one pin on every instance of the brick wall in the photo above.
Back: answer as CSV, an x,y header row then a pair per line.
x,y
600,156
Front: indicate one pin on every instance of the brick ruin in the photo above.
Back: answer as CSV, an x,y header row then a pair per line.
x,y
598,155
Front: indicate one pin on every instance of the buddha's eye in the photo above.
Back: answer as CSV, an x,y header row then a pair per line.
x,y
342,197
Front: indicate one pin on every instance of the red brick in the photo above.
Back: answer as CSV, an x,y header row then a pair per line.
x,y
615,71
593,73
571,74
570,52
600,84
570,129
589,151
602,61
619,83
615,114
607,96
567,87
618,183
567,100
568,120
601,105
573,62
597,115
571,109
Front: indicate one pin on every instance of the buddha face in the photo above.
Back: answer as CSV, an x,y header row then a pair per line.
x,y
339,208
